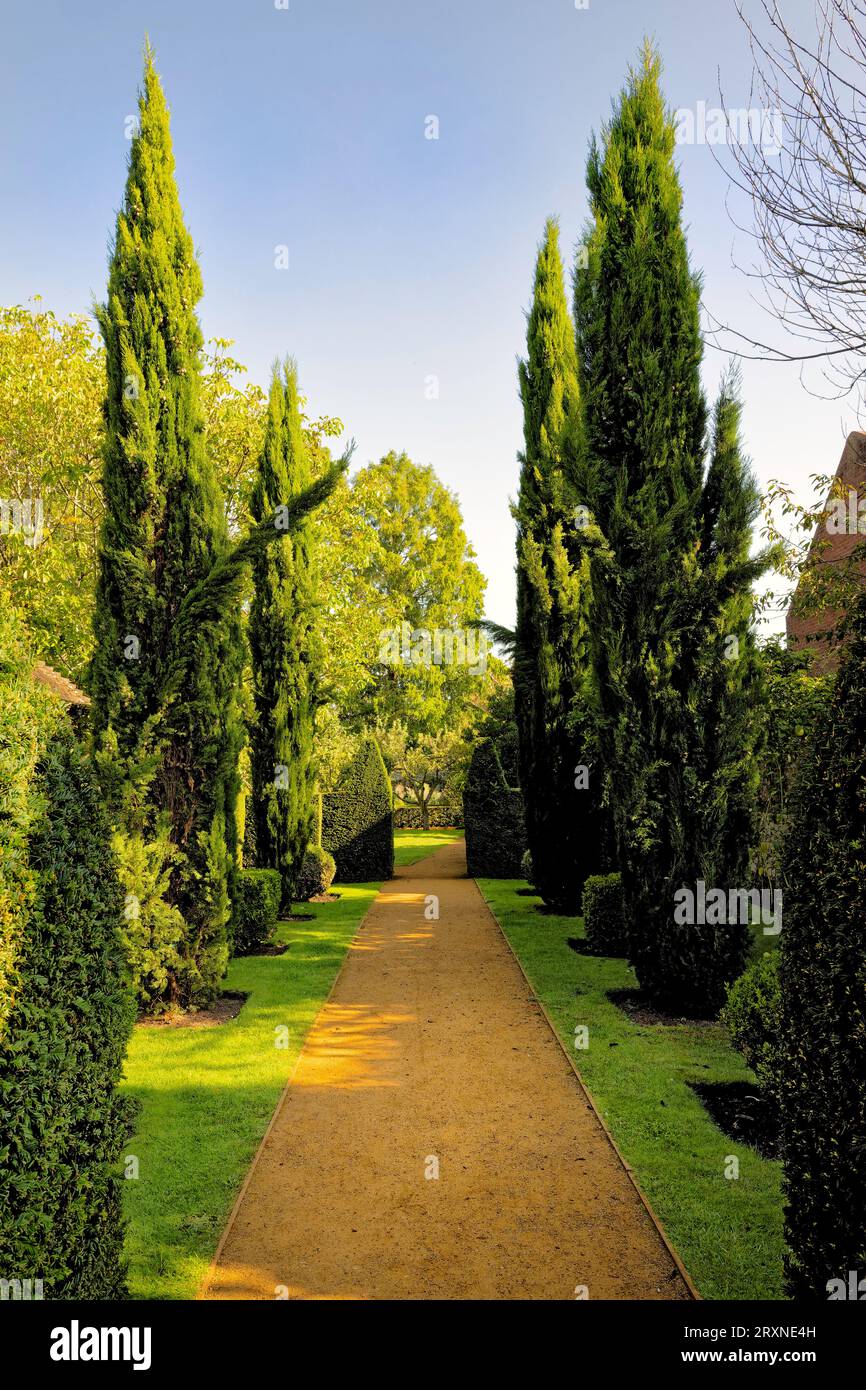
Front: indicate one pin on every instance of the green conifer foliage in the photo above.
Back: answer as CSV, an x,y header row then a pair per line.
x,y
358,819
493,816
727,676
674,585
169,645
164,530
551,649
63,1121
285,649
707,783
822,974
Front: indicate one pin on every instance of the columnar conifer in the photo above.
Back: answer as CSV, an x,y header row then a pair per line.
x,y
284,647
169,653
551,652
676,581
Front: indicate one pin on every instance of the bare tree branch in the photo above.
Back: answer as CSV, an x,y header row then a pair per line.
x,y
809,196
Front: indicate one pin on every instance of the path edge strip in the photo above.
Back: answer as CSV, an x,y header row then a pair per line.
x,y
684,1274
208,1278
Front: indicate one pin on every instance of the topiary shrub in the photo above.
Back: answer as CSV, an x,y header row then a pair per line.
x,y
604,915
526,867
63,1125
316,875
753,1015
822,976
358,821
257,903
493,815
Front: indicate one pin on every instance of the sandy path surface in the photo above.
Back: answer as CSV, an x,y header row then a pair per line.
x,y
432,1055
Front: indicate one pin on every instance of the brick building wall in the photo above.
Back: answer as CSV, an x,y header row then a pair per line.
x,y
830,547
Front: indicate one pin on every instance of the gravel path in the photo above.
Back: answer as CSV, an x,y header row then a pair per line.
x,y
431,1057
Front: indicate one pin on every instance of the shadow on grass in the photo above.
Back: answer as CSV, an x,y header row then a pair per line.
x,y
636,1007
729,1234
207,1095
743,1113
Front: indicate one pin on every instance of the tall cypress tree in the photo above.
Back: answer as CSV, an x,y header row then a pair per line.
x,y
723,683
284,648
707,780
658,598
558,778
164,530
166,670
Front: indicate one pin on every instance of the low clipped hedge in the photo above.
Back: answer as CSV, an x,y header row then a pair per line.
x,y
753,1015
604,915
493,817
316,874
63,1125
257,905
440,816
358,819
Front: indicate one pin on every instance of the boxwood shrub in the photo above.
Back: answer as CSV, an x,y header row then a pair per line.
x,y
493,817
358,820
753,1015
316,875
63,1125
604,915
257,904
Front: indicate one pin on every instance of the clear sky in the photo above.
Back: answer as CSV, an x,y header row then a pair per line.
x,y
409,258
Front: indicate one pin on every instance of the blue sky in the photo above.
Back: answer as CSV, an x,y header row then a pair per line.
x,y
408,257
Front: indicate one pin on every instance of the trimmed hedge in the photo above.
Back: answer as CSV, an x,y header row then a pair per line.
x,y
604,915
316,875
440,816
493,815
822,973
753,1016
257,904
63,1125
358,819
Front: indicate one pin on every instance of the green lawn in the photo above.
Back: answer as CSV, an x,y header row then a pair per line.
x,y
727,1232
208,1094
412,845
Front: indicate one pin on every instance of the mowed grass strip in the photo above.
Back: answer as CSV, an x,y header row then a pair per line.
x,y
208,1095
727,1231
412,845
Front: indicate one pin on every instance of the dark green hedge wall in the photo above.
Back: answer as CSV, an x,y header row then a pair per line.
x,y
493,817
358,819
822,978
63,1125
